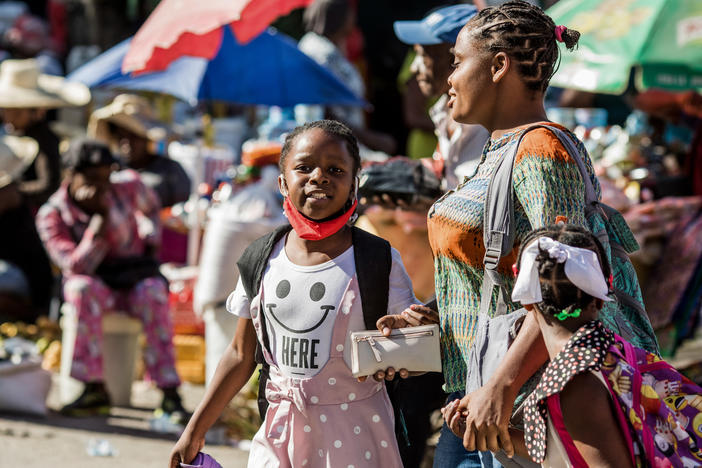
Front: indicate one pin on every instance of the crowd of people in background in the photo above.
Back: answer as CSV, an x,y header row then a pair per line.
x,y
82,214
92,211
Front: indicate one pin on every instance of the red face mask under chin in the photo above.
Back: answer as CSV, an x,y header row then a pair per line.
x,y
312,230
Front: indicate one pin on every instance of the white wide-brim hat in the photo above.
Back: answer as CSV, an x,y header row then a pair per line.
x,y
22,85
16,154
130,112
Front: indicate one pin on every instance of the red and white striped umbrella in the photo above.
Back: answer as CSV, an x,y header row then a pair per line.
x,y
178,28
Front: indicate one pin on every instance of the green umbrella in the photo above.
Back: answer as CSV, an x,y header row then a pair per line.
x,y
660,39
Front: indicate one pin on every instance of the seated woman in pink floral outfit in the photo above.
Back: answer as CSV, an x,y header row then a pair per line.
x,y
102,230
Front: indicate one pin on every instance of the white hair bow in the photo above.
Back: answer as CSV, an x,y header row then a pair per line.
x,y
581,267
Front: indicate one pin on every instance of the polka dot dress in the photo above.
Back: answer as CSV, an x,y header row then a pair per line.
x,y
584,351
329,420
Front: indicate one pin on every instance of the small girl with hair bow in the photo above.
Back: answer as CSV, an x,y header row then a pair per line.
x,y
565,287
600,401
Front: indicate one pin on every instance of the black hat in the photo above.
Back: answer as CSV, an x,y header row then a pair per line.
x,y
85,153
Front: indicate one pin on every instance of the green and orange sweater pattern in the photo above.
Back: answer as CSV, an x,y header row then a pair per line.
x,y
547,184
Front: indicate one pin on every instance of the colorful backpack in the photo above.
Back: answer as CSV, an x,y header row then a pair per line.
x,y
659,409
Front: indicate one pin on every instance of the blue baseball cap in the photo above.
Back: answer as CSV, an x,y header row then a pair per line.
x,y
439,26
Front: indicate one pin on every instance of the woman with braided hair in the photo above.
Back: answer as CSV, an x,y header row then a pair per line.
x,y
503,61
504,58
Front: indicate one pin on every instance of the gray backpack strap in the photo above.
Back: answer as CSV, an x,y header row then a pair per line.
x,y
498,222
491,280
498,230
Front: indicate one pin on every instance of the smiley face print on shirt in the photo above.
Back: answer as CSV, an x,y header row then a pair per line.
x,y
300,304
317,291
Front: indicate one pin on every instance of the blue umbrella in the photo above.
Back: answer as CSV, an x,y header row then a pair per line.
x,y
269,70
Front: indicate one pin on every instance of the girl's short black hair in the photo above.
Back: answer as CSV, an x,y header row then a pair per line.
x,y
525,33
557,291
331,127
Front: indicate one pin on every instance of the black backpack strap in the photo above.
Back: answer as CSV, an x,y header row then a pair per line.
x,y
373,259
373,263
252,264
253,261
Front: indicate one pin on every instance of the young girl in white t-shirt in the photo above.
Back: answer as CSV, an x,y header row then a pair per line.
x,y
318,414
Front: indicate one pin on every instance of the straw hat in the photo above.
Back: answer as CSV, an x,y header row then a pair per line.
x,y
130,112
22,85
16,154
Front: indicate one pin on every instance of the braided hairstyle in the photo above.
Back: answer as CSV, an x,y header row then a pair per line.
x,y
330,127
557,291
525,33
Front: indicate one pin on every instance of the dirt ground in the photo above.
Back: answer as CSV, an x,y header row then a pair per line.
x,y
58,441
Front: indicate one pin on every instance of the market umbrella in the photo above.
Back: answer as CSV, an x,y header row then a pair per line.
x,y
194,28
660,39
269,70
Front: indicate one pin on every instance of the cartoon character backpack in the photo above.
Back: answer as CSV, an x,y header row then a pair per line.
x,y
659,408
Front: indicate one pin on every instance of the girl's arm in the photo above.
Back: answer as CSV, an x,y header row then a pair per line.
x,y
588,413
233,371
489,408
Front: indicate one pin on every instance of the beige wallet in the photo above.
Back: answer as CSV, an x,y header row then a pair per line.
x,y
413,348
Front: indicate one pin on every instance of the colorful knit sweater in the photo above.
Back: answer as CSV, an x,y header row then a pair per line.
x,y
547,184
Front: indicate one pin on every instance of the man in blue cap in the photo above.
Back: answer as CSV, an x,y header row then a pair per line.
x,y
460,146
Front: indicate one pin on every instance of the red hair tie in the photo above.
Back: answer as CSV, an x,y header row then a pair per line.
x,y
559,32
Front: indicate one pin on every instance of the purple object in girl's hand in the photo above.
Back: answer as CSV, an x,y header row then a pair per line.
x,y
202,460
